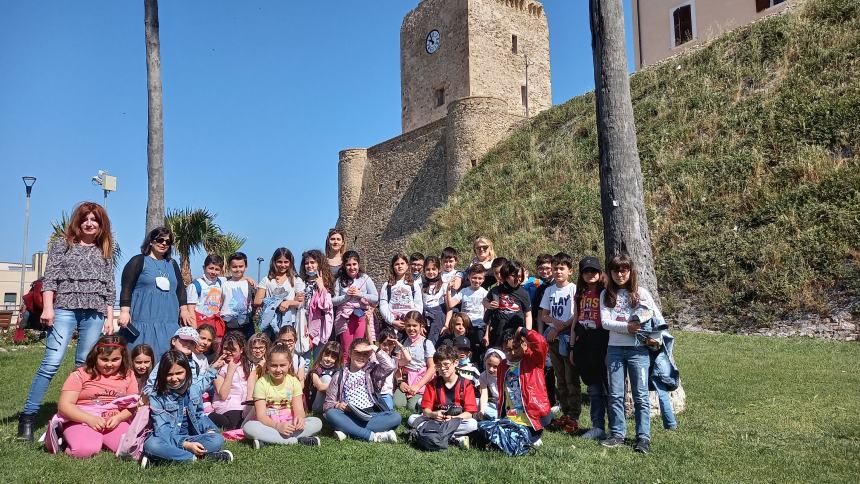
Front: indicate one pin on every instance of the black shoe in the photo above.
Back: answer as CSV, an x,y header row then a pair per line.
x,y
643,446
309,441
25,427
222,456
612,442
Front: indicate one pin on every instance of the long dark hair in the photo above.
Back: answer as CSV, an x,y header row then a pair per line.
x,y
436,284
291,272
621,261
155,233
392,277
237,339
345,280
172,357
106,345
323,270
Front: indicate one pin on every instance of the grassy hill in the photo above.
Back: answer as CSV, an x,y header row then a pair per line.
x,y
750,150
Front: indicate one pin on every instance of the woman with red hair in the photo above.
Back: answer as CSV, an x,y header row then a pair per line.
x,y
78,293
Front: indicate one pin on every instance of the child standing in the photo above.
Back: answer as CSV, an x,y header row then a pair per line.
x,y
416,265
489,385
420,368
325,366
205,295
451,277
471,300
432,293
181,432
619,304
589,340
238,296
355,294
400,294
319,284
279,407
142,359
280,293
92,421
510,305
556,318
231,384
449,396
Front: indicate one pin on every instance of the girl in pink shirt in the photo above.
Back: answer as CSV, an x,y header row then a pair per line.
x,y
92,418
231,385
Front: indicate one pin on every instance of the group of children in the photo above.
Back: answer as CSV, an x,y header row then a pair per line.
x,y
443,344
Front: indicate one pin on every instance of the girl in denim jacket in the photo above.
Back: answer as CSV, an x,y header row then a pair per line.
x,y
180,430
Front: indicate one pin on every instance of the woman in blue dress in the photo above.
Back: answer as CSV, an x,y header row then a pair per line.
x,y
152,300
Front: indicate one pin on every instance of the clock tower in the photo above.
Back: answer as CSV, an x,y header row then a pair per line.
x,y
454,49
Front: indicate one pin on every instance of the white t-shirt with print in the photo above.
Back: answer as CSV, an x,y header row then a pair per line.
x,y
236,301
285,289
471,303
559,302
208,302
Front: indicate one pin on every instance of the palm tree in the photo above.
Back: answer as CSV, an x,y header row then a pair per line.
x,y
227,244
155,123
59,231
193,229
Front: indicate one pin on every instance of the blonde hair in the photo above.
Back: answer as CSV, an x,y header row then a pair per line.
x,y
491,251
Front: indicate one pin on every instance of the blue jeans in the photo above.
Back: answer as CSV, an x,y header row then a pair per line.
x,y
634,362
667,413
387,399
161,449
359,429
89,324
597,396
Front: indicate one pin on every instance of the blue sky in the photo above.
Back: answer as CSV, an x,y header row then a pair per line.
x,y
259,97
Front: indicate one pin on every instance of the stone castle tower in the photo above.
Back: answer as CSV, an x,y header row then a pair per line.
x,y
465,85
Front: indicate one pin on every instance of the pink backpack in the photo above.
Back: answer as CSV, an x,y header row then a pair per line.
x,y
131,444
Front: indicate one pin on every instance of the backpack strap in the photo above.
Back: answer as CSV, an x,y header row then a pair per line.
x,y
198,287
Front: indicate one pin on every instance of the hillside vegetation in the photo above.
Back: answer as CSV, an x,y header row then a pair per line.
x,y
750,150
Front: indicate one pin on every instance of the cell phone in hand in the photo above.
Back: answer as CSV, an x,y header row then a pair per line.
x,y
129,332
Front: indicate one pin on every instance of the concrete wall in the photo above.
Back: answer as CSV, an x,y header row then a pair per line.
x,y
652,24
494,69
10,277
422,73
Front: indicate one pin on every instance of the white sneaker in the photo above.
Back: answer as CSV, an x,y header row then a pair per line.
x,y
340,435
555,410
390,436
537,443
594,434
144,462
462,442
256,444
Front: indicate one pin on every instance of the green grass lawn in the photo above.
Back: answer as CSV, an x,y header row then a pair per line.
x,y
759,410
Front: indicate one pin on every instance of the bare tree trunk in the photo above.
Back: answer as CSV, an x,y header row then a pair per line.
x,y
625,223
155,136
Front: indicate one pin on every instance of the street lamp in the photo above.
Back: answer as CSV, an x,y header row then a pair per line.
x,y
259,265
29,181
107,182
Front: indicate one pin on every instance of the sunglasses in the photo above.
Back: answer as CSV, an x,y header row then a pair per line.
x,y
482,247
163,241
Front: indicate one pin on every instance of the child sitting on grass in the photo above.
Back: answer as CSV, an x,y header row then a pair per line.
x,y
488,405
326,365
181,432
142,360
449,396
278,403
231,384
521,375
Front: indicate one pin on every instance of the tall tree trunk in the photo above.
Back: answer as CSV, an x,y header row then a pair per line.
x,y
625,223
185,268
155,136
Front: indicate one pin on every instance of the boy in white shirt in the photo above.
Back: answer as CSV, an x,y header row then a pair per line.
x,y
557,314
471,300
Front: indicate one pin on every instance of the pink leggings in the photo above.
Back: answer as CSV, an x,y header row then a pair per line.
x,y
83,442
356,327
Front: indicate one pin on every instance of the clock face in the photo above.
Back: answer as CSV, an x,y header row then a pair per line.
x,y
432,43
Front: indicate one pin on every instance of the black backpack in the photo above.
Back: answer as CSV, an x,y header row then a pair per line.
x,y
433,435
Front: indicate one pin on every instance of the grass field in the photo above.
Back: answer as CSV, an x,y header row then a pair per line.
x,y
759,410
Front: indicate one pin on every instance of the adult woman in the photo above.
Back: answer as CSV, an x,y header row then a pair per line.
x,y
153,296
78,293
484,255
335,247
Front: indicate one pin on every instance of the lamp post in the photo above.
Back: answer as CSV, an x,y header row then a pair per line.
x,y
259,265
28,186
107,182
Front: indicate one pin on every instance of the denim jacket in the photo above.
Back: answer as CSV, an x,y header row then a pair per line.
x,y
166,413
663,366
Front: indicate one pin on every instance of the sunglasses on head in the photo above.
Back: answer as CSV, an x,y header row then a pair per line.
x,y
163,240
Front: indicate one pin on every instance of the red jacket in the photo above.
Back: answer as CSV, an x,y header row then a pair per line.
x,y
532,381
